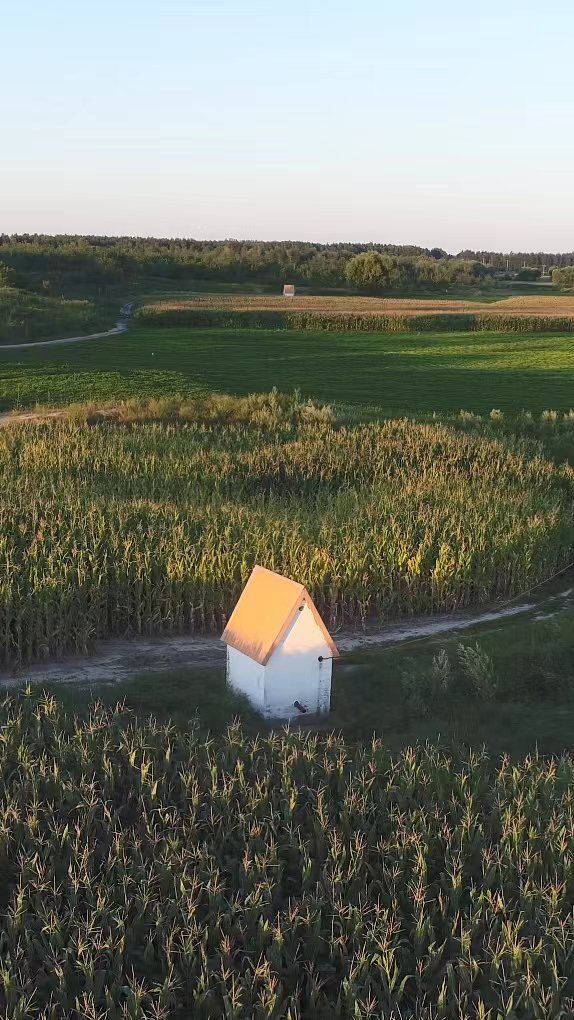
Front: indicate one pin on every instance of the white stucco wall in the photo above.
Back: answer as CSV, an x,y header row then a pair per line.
x,y
294,672
246,676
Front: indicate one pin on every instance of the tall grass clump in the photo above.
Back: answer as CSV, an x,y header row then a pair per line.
x,y
266,410
149,527
158,875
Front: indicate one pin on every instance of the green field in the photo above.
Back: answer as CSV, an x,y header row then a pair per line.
x,y
377,523
369,374
27,316
119,530
161,860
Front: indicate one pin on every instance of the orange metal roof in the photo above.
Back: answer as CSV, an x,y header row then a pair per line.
x,y
263,613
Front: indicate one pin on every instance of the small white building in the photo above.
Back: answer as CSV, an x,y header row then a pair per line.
x,y
279,652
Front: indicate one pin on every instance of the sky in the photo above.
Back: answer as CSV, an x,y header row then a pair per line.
x,y
444,123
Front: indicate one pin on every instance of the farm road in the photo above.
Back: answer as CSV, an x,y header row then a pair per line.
x,y
115,662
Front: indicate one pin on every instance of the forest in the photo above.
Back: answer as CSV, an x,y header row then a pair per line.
x,y
48,262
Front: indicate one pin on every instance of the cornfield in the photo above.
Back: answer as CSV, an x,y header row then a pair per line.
x,y
152,528
153,874
390,315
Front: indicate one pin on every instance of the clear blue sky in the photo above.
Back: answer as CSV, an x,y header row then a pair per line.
x,y
442,123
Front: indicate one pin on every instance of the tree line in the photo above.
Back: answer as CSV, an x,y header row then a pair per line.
x,y
41,259
516,261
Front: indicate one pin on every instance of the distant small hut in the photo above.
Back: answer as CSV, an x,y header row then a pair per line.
x,y
288,290
279,651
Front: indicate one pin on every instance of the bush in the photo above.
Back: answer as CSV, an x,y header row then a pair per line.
x,y
471,675
423,689
563,277
478,667
469,418
526,274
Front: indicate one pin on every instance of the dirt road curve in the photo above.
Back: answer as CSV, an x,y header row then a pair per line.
x,y
120,327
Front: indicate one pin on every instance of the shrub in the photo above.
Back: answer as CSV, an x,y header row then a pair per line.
x,y
478,667
441,673
469,418
415,692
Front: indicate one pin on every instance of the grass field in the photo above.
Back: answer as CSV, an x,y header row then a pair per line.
x,y
368,374
28,316
147,871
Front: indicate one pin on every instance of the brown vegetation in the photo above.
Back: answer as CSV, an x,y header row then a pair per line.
x,y
532,304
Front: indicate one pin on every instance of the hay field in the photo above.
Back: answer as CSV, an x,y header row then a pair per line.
x,y
532,304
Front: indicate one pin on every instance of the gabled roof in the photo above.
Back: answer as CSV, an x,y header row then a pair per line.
x,y
263,613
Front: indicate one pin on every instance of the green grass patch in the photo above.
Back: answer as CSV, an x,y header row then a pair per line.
x,y
180,696
26,316
371,374
530,706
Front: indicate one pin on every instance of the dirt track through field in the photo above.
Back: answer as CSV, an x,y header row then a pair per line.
x,y
115,662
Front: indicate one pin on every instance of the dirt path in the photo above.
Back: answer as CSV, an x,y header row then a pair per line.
x,y
120,327
20,418
119,661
